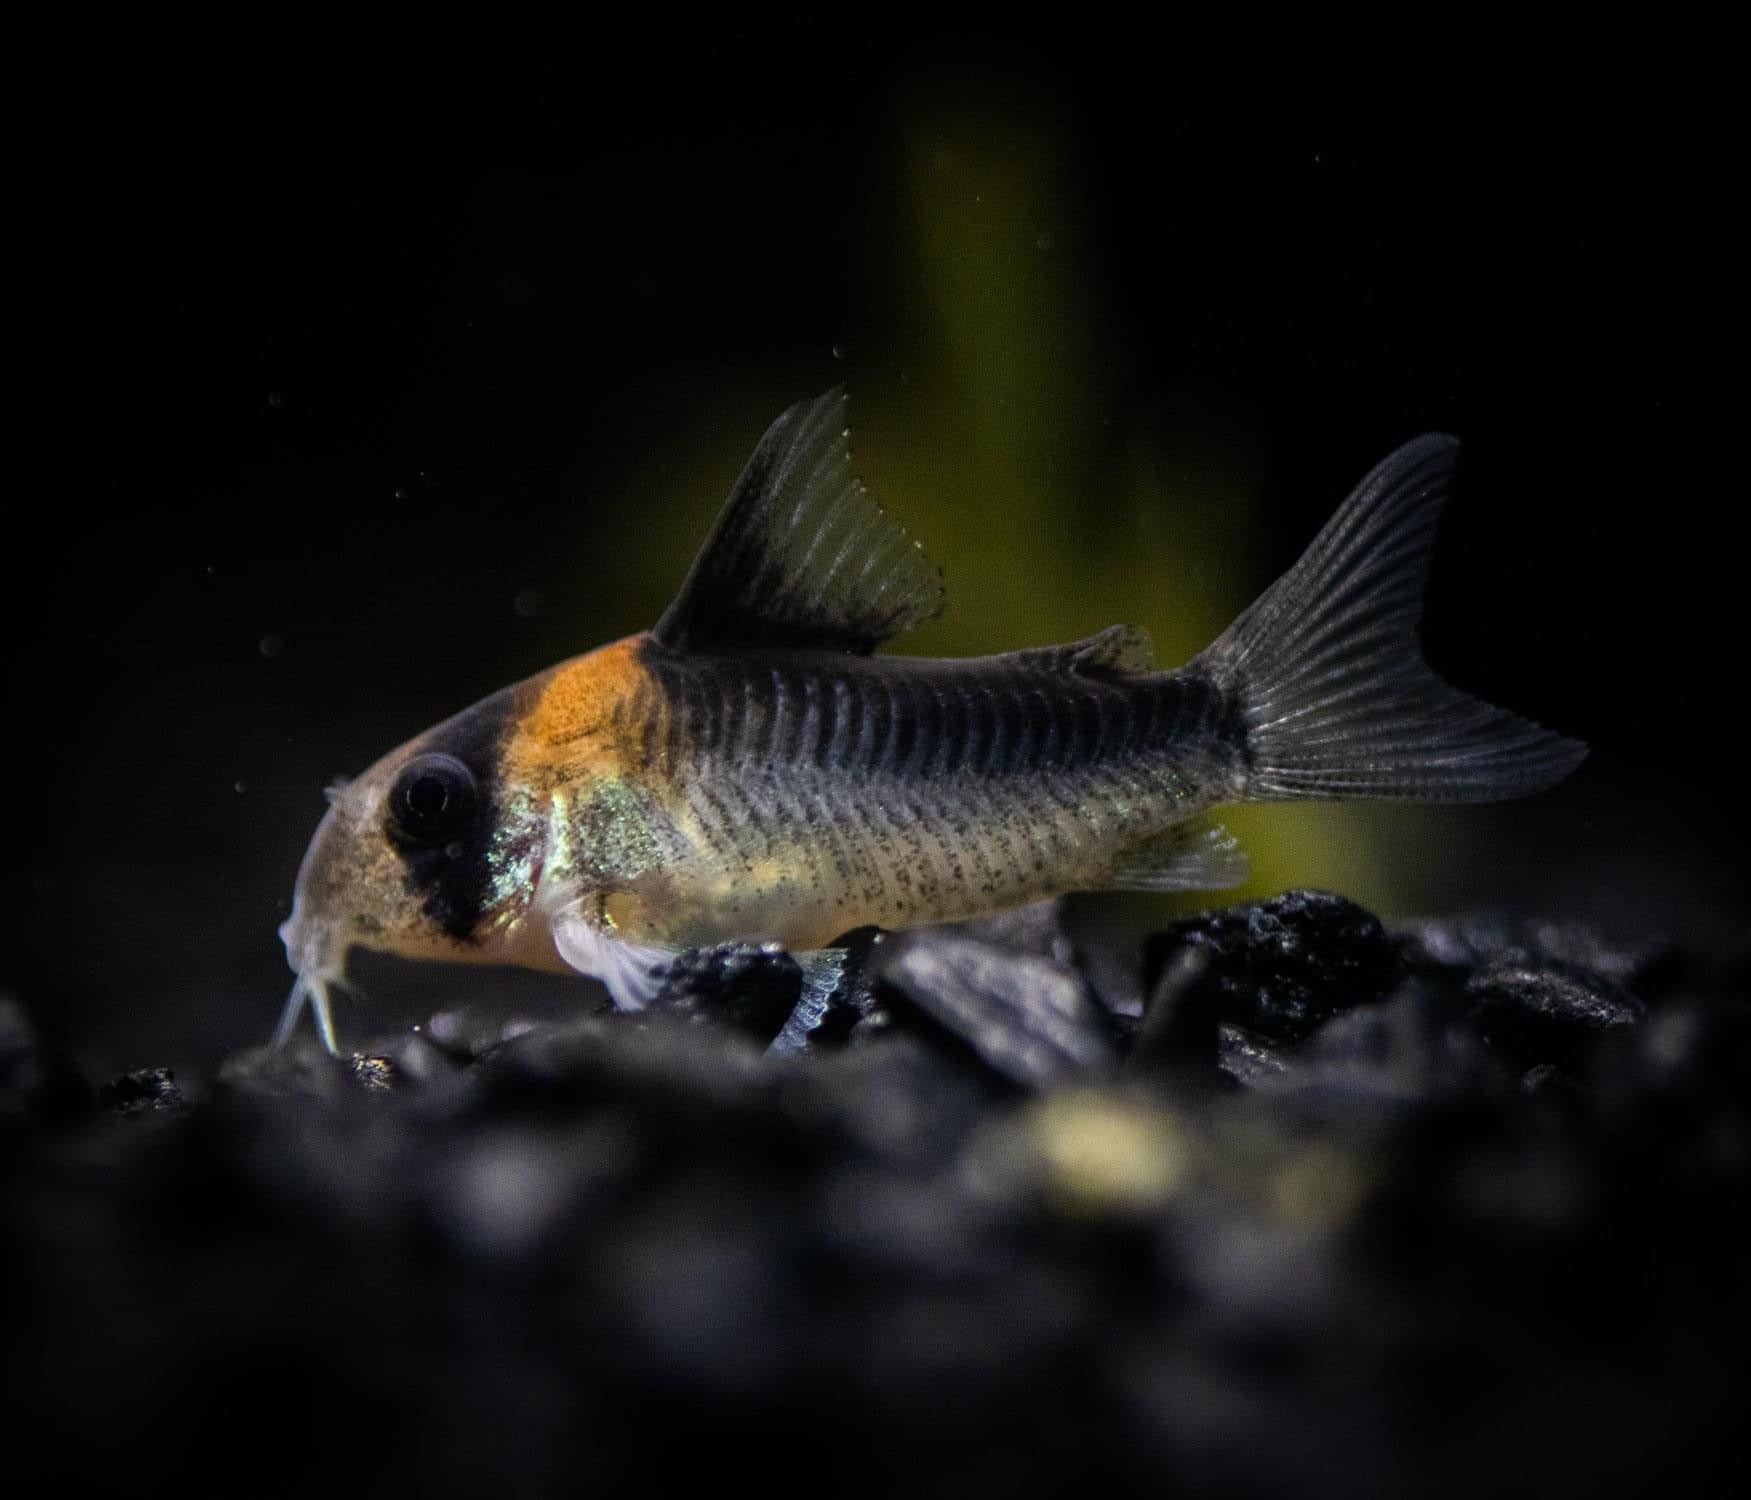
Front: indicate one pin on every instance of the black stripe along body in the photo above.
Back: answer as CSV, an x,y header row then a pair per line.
x,y
821,791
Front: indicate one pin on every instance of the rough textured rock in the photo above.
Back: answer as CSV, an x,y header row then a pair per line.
x,y
744,985
1546,1013
1286,965
1030,1018
1647,967
144,1091
1307,1226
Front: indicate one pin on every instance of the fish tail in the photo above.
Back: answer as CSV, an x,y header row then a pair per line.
x,y
1328,672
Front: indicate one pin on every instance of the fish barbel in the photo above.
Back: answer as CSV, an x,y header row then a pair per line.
x,y
749,770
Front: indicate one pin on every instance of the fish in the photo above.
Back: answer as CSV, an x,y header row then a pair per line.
x,y
749,769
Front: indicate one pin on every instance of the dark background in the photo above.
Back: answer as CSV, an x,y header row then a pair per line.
x,y
359,376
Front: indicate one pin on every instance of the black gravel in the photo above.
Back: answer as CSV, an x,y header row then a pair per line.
x,y
1453,1209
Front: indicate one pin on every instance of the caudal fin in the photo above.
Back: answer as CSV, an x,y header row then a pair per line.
x,y
1326,664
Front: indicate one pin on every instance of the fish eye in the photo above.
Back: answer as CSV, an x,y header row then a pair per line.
x,y
432,797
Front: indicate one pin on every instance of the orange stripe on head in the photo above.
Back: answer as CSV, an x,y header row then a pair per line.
x,y
581,717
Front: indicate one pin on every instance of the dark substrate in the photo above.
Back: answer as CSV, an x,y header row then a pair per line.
x,y
1454,1208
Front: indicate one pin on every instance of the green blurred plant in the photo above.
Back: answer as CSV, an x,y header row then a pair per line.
x,y
1054,504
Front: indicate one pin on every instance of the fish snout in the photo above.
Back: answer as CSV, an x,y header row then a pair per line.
x,y
314,934
309,945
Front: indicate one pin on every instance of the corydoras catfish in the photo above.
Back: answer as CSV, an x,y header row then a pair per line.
x,y
748,769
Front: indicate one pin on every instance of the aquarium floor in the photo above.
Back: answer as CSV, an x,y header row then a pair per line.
x,y
1457,1207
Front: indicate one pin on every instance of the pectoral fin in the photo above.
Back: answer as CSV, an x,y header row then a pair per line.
x,y
824,970
633,972
832,977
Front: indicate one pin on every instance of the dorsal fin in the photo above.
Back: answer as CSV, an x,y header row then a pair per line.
x,y
800,555
1117,651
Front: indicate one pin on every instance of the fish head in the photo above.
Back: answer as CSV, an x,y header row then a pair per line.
x,y
428,854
